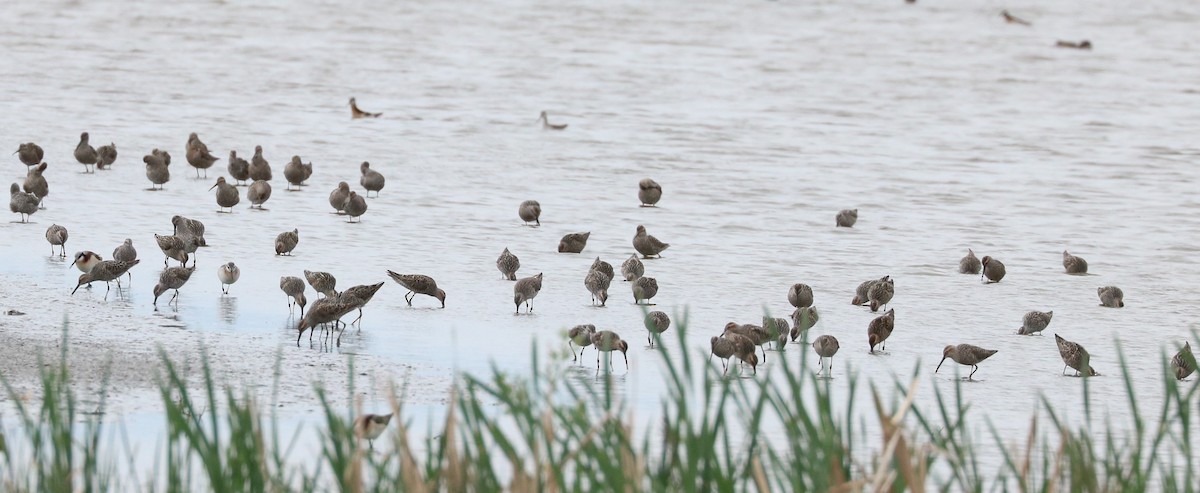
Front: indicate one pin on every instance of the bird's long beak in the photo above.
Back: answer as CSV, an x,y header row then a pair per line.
x,y
939,367
212,187
73,262
76,288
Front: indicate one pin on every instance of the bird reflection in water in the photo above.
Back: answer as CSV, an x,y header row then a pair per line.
x,y
229,309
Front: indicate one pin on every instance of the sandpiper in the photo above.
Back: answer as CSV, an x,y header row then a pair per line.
x,y
800,295
1183,363
993,269
157,171
644,288
648,245
607,341
525,290
124,252
418,284
172,278
323,282
258,193
1011,19
881,293
597,283
1111,296
239,169
573,242
286,242
30,154
189,228
337,198
649,192
22,203
323,311
357,113
106,156
86,260
580,335
1035,322
57,236
603,266
722,348
359,296
1074,356
1082,45
656,322
825,346
778,329
228,274
632,268
860,293
546,125
85,153
174,247
846,218
371,180
36,184
508,265
967,355
743,348
355,206
757,335
227,195
107,271
880,328
969,264
260,169
295,172
803,319
530,210
198,156
370,426
1073,264
293,287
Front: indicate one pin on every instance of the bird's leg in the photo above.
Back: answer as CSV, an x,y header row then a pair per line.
x,y
409,297
573,358
976,368
623,355
359,317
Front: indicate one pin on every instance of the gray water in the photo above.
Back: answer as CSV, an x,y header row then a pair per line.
x,y
947,128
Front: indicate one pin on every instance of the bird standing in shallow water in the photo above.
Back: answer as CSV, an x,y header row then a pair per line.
x,y
172,278
86,154
881,293
323,282
993,269
30,155
258,193
173,247
508,265
967,355
371,180
228,274
107,271
644,288
1074,356
295,172
800,295
580,335
862,291
337,198
239,169
597,283
22,203
969,264
803,319
370,426
418,284
825,346
1073,264
198,156
359,296
227,195
1183,363
1111,296
573,242
647,245
356,113
157,171
880,328
649,192
1035,322
293,287
632,268
607,341
286,242
260,169
546,125
525,290
85,260
530,210
36,184
778,330
656,323
355,206
106,156
846,218
57,236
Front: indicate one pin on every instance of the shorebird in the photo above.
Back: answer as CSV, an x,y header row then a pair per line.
x,y
603,266
323,311
803,319
1183,363
530,210
228,274
258,193
825,346
993,269
800,295
371,180
508,265
1082,45
656,323
322,282
239,169
860,293
293,287
1073,264
106,156
607,341
597,283
172,278
359,296
295,172
648,245
22,203
881,293
966,355
337,198
632,268
286,242
260,169
649,192
30,154
757,335
357,113
580,335
189,228
418,284
1111,296
1034,322
573,242
970,264
86,154
355,206
123,252
174,247
644,288
743,348
546,125
846,218
227,195
880,328
721,348
36,184
1011,19
198,156
107,271
157,171
525,290
57,236
1074,356
86,260
778,329
370,426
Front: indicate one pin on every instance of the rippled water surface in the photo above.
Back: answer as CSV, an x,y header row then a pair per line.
x,y
945,127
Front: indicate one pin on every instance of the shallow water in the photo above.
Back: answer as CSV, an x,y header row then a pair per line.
x,y
944,126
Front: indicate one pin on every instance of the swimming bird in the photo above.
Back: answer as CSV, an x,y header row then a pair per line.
x,y
800,295
258,193
1034,322
966,355
1074,356
371,180
174,247
546,125
757,335
881,293
649,192
970,264
880,328
260,169
632,268
644,288
530,210
1111,296
573,242
323,311
418,284
357,113
36,184
286,242
1082,45
228,274
337,198
172,278
607,341
597,283
1183,363
295,172
106,156
57,236
322,282
993,269
359,296
804,318
648,245
157,171
580,335
861,292
107,271
227,195
355,206
293,287
189,228
1011,19
656,323
603,266
1073,264
525,290
30,155
370,426
198,156
825,346
508,265
85,153
22,203
239,169
846,218
778,329
86,260
123,252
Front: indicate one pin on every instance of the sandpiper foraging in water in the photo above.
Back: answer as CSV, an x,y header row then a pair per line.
x,y
800,295
57,236
969,264
106,156
880,293
86,154
22,203
580,335
418,284
1183,363
863,289
370,180
649,192
728,345
1034,322
107,271
993,270
286,242
172,278
880,328
644,288
174,247
1074,356
656,323
967,355
1111,296
607,341
370,426
525,290
198,156
228,274
603,266
323,282
36,184
573,242
1073,264
632,268
530,210
647,245
323,311
825,346
189,228
846,218
546,125
597,283
778,329
356,113
227,195
804,318
359,296
508,264
293,287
